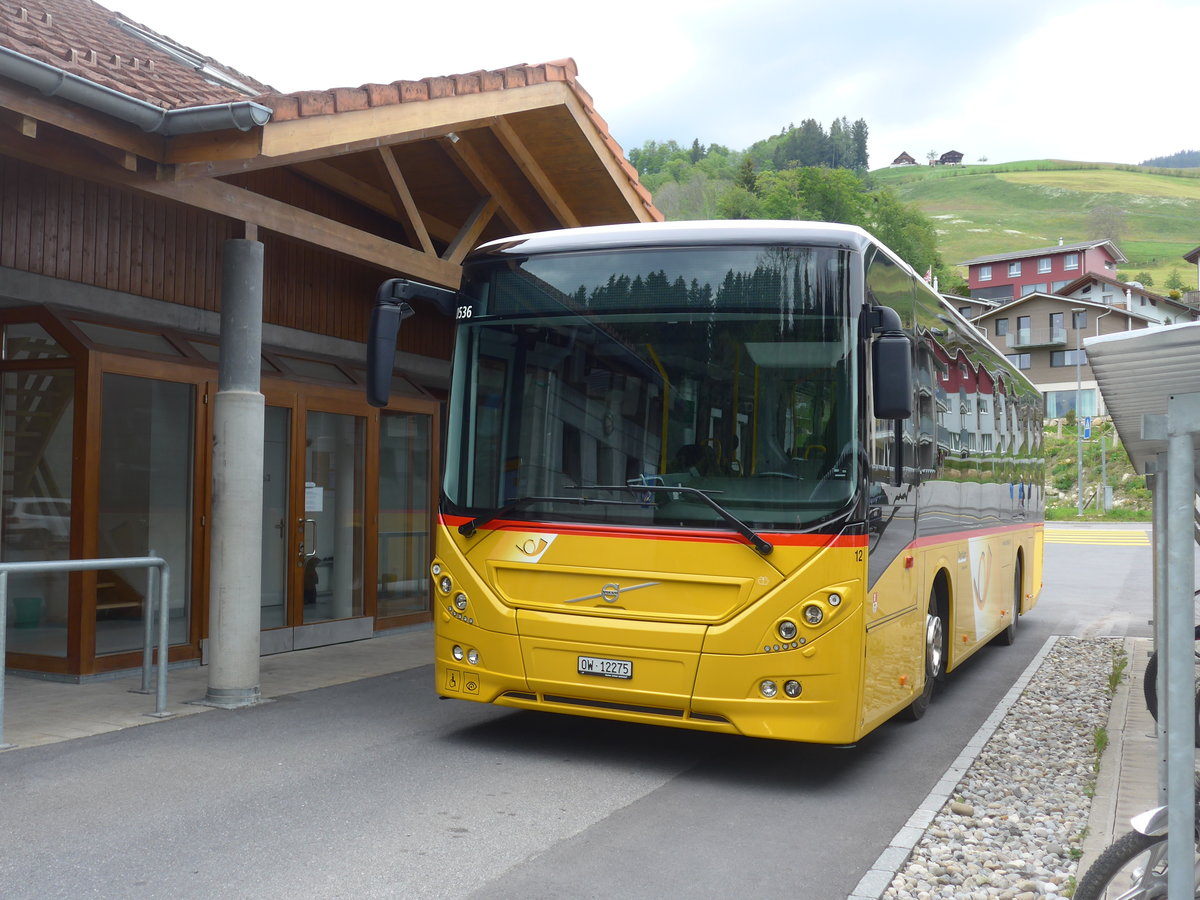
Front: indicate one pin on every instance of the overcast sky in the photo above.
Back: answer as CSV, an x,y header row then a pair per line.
x,y
1097,80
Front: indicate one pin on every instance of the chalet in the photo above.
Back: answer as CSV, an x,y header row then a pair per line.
x,y
904,160
148,194
1042,334
1130,296
1010,276
950,158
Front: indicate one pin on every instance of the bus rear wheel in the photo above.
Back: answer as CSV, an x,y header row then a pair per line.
x,y
935,659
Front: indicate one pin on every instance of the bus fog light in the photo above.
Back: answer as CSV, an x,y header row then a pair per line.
x,y
813,614
445,584
457,652
473,657
792,688
768,689
460,601
436,569
787,629
835,599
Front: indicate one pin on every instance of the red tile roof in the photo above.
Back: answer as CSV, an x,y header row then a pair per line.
x,y
83,38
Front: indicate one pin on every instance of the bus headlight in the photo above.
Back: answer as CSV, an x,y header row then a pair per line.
x,y
445,584
835,599
457,652
768,688
473,656
436,569
460,601
813,614
792,688
787,629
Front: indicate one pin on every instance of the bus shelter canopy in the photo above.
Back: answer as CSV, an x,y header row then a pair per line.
x,y
1138,372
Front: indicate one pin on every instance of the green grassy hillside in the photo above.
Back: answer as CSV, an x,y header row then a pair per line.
x,y
983,209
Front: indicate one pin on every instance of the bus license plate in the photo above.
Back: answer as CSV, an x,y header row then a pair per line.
x,y
608,668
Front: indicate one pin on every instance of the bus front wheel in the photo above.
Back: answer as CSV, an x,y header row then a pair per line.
x,y
935,659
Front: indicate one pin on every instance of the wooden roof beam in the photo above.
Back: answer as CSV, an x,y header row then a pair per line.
x,y
466,239
619,177
541,182
410,216
341,182
471,164
324,137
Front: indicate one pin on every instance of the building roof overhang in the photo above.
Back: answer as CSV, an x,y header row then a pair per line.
x,y
1113,251
1066,302
1138,372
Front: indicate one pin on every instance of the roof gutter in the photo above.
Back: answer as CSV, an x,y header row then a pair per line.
x,y
54,82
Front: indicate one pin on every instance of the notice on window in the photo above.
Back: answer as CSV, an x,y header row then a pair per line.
x,y
314,498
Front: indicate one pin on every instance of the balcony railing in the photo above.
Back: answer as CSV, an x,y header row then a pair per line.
x,y
1025,338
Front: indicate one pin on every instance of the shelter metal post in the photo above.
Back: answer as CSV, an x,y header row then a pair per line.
x,y
1156,478
1183,422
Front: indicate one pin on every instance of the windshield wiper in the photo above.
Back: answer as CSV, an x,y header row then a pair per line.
x,y
762,546
466,529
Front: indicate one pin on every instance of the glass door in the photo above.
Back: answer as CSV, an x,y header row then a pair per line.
x,y
331,529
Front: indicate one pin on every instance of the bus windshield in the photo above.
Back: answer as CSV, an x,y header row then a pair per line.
x,y
589,384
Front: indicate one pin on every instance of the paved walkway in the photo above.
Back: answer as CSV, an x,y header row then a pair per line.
x,y
1128,779
37,711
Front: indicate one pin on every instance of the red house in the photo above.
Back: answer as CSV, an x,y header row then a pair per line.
x,y
1010,276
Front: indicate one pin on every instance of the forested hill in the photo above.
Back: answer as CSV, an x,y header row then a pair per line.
x,y
803,172
1184,159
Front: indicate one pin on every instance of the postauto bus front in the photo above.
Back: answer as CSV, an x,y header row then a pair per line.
x,y
654,504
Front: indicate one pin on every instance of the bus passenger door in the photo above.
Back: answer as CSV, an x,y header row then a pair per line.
x,y
893,615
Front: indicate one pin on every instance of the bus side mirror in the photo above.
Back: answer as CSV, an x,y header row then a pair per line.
x,y
891,366
392,308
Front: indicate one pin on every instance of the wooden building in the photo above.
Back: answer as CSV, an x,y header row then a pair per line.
x,y
127,162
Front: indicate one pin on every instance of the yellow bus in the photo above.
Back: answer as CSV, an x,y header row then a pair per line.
x,y
744,477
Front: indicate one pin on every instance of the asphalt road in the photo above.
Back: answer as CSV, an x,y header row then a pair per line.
x,y
378,789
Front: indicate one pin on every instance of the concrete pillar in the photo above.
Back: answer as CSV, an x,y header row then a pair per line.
x,y
235,533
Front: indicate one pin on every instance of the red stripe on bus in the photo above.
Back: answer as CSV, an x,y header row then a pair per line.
x,y
787,539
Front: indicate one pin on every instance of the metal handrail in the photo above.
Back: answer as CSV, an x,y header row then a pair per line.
x,y
156,598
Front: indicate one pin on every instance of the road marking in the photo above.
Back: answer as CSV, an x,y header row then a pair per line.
x,y
1107,537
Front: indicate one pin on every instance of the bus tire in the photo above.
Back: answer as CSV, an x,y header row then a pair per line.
x,y
1009,634
935,659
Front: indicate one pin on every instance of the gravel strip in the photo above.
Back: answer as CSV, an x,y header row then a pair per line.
x,y
1014,824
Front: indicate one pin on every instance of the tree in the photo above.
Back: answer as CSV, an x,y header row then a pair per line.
x,y
697,152
906,230
1174,281
1106,221
746,177
738,203
841,144
1145,279
859,138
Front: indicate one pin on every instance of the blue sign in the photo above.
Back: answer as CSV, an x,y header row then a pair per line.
x,y
1087,426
